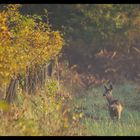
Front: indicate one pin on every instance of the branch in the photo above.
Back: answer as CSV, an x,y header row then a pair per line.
x,y
136,49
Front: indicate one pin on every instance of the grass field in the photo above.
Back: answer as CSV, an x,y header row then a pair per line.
x,y
97,120
44,115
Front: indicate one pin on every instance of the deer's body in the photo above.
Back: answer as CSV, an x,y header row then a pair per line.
x,y
114,106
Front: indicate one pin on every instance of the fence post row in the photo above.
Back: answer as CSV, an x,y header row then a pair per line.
x,y
33,80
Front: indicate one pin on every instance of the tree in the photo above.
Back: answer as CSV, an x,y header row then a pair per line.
x,y
25,42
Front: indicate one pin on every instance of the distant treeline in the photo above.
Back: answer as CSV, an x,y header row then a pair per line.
x,y
102,39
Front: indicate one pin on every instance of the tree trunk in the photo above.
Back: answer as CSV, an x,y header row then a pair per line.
x,y
11,91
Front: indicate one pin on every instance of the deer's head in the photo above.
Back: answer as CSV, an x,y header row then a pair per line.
x,y
108,91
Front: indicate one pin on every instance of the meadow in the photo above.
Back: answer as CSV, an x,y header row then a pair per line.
x,y
47,114
97,119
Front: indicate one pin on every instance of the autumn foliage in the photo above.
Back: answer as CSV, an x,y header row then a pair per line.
x,y
25,41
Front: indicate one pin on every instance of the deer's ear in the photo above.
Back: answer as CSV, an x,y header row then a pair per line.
x,y
105,87
111,87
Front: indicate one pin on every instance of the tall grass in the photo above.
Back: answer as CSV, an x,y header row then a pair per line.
x,y
49,112
46,113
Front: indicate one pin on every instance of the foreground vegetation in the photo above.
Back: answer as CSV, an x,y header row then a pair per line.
x,y
46,113
57,113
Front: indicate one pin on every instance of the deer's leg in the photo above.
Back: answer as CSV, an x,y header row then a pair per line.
x,y
119,115
111,115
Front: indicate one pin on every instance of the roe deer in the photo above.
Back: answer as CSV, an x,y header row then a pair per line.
x,y
114,106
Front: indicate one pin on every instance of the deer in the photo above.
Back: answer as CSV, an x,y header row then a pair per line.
x,y
114,106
